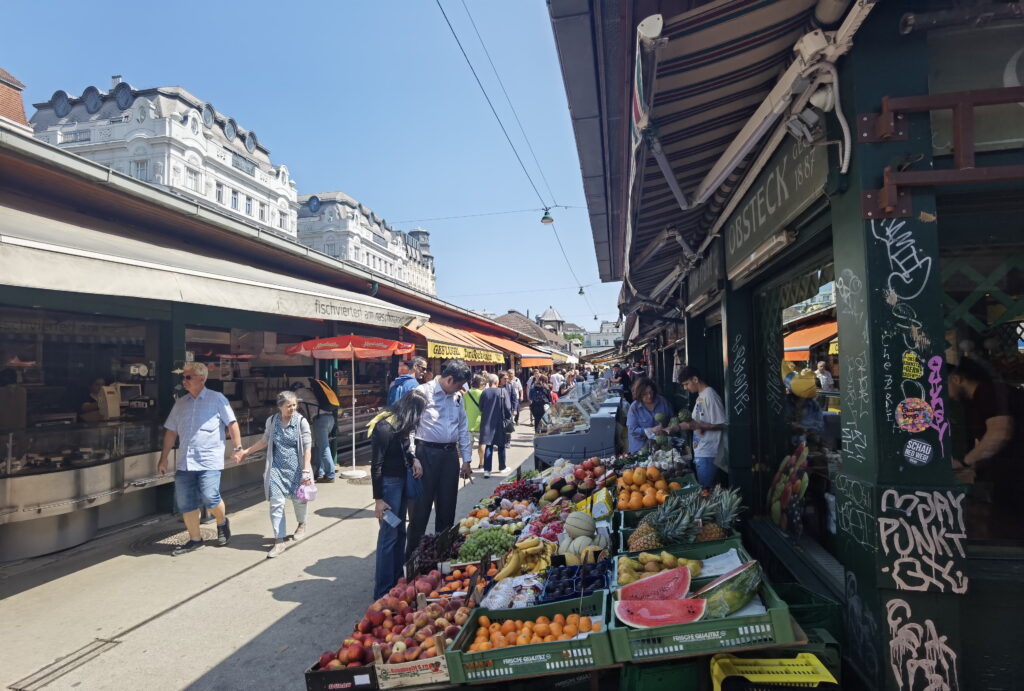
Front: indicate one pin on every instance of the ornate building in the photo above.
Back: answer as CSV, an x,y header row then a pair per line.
x,y
602,339
170,138
338,225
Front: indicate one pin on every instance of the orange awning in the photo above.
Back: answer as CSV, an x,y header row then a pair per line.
x,y
447,342
797,345
529,356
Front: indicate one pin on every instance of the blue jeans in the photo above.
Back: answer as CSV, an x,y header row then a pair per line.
x,y
706,471
195,488
489,452
323,459
390,541
277,522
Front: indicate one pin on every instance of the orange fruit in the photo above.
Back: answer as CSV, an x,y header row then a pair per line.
x,y
483,621
674,486
623,504
560,618
486,645
572,619
497,636
556,629
660,484
508,626
542,630
536,639
510,639
595,626
495,626
649,501
549,638
564,637
639,476
585,625
522,639
653,473
570,629
636,501
543,620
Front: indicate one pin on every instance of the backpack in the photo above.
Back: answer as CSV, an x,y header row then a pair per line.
x,y
325,396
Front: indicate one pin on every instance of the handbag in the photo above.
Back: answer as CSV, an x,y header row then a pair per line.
x,y
306,493
510,425
413,486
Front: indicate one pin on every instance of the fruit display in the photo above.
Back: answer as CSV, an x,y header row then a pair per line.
x,y
564,582
643,488
575,482
549,523
787,490
514,592
520,490
580,542
504,634
432,551
489,542
732,591
509,515
460,580
532,555
647,565
688,518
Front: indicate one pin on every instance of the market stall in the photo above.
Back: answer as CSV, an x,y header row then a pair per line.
x,y
558,579
580,425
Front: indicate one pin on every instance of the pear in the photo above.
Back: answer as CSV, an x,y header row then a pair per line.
x,y
645,557
669,560
626,577
695,567
632,563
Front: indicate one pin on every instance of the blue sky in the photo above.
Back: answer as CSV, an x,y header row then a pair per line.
x,y
372,98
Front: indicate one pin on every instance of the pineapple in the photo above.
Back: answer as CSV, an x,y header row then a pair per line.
x,y
671,523
644,537
722,511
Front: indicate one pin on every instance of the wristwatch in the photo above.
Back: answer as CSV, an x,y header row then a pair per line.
x,y
238,448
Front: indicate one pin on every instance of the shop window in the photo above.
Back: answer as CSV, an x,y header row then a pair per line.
x,y
800,403
983,297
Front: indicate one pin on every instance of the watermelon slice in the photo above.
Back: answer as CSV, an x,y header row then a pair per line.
x,y
731,591
670,584
648,614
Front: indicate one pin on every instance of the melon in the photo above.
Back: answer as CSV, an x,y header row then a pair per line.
x,y
580,524
731,591
579,544
670,584
646,614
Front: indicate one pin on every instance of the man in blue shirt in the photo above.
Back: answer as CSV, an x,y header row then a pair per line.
x,y
442,433
199,419
410,374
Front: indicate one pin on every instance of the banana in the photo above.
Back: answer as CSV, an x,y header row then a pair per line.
x,y
534,550
529,543
513,567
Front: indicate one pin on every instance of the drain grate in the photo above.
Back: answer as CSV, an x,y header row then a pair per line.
x,y
164,542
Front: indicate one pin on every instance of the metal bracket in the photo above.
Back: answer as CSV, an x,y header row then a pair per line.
x,y
888,202
886,126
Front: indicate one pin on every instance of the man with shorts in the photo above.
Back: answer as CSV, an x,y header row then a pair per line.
x,y
199,419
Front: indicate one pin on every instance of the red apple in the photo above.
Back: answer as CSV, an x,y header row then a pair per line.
x,y
398,647
379,632
342,655
355,664
326,658
375,616
335,664
364,625
396,658
410,594
588,464
356,653
580,473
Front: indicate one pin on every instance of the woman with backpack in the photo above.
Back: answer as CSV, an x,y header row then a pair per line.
x,y
391,462
540,396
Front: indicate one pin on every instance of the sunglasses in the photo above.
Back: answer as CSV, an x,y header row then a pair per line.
x,y
190,377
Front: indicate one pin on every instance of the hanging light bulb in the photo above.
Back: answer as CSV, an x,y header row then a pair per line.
x,y
546,218
581,290
595,317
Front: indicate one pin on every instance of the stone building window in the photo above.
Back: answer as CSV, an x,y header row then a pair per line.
x,y
219,192
192,179
263,212
248,206
234,199
140,170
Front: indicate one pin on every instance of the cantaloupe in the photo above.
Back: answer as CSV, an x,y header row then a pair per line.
x,y
580,524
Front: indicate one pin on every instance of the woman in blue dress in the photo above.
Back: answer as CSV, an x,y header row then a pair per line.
x,y
287,439
646,404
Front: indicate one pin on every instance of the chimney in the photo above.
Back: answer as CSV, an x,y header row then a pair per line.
x,y
12,107
115,80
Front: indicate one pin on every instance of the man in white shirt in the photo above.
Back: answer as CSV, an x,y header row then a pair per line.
x,y
557,379
708,422
442,433
825,380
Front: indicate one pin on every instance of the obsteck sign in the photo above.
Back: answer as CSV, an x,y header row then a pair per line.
x,y
794,177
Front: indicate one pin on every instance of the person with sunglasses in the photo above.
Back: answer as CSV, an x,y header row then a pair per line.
x,y
411,373
199,420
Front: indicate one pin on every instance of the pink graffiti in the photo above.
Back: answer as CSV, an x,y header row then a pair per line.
x,y
939,423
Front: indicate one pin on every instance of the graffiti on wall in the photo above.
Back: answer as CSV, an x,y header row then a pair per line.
x,y
849,289
909,266
922,536
920,658
740,379
856,520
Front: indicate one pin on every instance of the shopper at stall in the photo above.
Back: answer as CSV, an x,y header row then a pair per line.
x,y
442,433
495,408
995,431
288,441
621,378
471,402
642,411
390,462
825,380
568,384
556,379
321,418
707,424
528,387
515,394
411,373
540,397
199,421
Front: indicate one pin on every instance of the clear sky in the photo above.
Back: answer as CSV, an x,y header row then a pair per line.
x,y
371,97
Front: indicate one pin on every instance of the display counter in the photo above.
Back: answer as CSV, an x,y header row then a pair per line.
x,y
579,426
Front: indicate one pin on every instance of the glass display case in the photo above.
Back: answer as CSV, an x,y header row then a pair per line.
x,y
568,415
40,450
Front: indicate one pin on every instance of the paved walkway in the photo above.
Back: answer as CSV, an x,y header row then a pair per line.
x,y
121,613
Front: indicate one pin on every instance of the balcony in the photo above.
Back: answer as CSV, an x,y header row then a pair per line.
x,y
75,136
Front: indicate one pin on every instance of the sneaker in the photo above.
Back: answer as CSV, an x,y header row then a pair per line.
x,y
326,480
276,550
300,532
502,473
224,533
190,546
487,474
318,478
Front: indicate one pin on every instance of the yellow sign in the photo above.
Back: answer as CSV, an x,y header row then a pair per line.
x,y
445,351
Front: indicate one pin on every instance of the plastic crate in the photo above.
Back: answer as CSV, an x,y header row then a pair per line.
x,y
539,659
546,597
356,678
624,534
661,676
701,551
607,680
819,643
729,673
774,627
812,610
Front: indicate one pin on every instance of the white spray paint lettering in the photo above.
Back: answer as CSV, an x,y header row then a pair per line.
x,y
917,653
926,539
909,266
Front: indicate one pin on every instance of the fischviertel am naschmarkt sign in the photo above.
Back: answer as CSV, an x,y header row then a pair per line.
x,y
707,276
794,177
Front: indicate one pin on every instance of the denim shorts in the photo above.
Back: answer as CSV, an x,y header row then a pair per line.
x,y
193,488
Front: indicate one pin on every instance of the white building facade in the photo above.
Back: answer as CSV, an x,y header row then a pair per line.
x,y
603,338
339,226
167,137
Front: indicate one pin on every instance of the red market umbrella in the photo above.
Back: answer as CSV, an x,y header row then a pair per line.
x,y
352,347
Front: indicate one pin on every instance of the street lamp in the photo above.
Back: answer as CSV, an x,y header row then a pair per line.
x,y
546,218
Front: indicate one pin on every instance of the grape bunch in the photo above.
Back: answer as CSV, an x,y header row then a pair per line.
x,y
485,543
515,491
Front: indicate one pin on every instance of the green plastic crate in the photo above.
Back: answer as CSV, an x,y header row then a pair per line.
x,y
538,659
659,676
702,550
624,534
774,627
812,610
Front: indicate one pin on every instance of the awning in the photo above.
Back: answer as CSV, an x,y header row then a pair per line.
x,y
528,357
797,345
447,342
349,346
48,254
